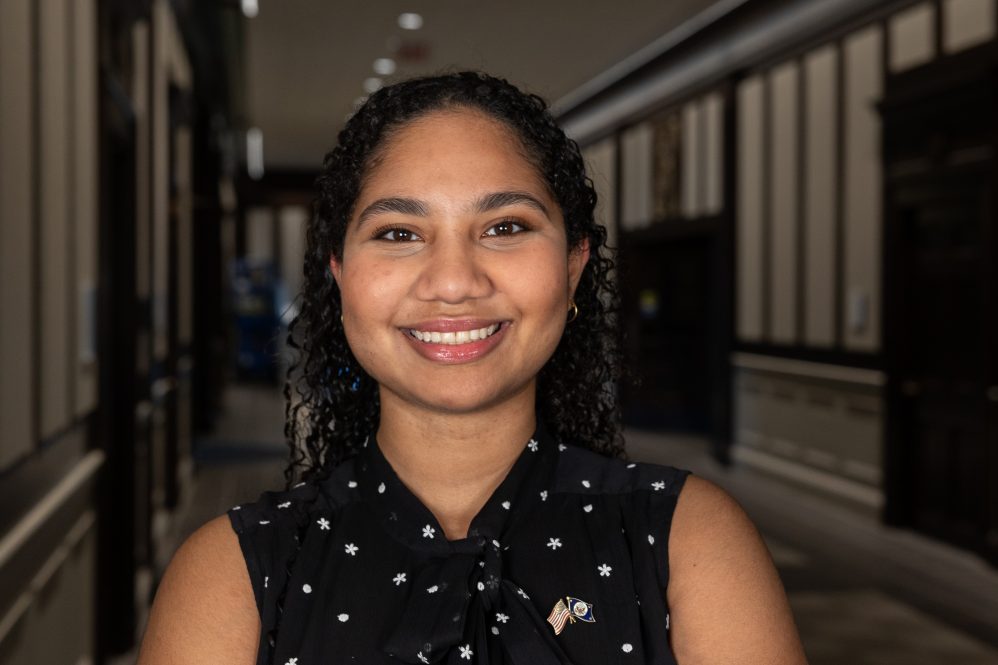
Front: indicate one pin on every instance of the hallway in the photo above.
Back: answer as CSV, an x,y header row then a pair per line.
x,y
862,594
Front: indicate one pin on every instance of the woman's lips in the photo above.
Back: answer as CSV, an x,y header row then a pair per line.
x,y
452,342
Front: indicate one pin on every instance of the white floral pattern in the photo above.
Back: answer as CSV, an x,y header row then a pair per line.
x,y
532,445
323,524
428,531
658,485
554,543
399,579
501,618
466,652
604,570
351,549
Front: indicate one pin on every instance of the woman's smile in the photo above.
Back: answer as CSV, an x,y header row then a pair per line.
x,y
448,341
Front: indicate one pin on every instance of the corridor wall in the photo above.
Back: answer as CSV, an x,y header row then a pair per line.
x,y
803,82
48,279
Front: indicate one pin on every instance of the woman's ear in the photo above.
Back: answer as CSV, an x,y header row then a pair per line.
x,y
335,267
578,257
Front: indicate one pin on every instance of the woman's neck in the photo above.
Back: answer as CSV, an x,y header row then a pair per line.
x,y
454,462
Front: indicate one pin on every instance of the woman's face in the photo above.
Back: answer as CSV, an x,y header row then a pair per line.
x,y
456,275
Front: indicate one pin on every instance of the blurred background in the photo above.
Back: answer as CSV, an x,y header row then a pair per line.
x,y
801,194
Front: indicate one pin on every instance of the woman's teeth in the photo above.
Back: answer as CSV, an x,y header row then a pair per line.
x,y
452,338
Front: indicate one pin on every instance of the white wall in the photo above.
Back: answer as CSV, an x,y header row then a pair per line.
x,y
636,178
821,188
783,203
862,191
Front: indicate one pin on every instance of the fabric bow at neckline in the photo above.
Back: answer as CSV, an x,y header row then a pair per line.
x,y
461,603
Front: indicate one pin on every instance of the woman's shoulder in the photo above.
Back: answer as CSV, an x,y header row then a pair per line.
x,y
724,591
206,597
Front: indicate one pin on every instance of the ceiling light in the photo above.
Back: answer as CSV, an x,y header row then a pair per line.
x,y
410,21
250,8
384,66
372,84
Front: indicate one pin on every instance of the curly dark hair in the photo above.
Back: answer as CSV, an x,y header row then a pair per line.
x,y
332,403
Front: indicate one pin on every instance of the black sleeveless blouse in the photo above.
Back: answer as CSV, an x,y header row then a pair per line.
x,y
355,569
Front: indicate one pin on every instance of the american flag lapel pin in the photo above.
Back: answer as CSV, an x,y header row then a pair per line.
x,y
569,610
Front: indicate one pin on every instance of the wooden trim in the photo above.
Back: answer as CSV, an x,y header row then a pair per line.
x,y
25,483
766,297
809,369
814,354
838,296
801,175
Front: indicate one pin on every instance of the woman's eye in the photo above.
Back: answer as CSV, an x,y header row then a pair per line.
x,y
507,227
396,234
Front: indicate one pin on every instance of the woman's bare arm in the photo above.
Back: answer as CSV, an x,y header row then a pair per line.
x,y
727,604
204,611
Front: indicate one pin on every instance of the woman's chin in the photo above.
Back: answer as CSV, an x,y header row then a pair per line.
x,y
464,400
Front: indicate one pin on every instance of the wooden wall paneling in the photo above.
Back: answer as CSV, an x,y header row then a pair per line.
x,y
162,21
690,159
912,37
636,177
749,220
54,117
183,145
967,23
713,186
83,294
862,190
783,192
820,194
17,220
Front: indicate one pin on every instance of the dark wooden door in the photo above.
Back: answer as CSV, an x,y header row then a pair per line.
x,y
943,377
941,321
667,308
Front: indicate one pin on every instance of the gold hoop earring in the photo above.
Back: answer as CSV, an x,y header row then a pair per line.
x,y
573,310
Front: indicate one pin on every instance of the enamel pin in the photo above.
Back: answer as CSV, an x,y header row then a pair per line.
x,y
570,610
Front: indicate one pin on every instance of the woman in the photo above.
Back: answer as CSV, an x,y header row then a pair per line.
x,y
455,383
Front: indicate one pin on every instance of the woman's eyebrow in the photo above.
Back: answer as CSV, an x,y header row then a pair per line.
x,y
503,199
397,204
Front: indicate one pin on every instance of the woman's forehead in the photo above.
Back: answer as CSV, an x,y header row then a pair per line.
x,y
453,144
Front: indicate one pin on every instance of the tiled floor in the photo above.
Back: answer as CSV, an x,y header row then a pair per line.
x,y
862,594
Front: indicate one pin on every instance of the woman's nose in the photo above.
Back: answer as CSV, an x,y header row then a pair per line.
x,y
454,272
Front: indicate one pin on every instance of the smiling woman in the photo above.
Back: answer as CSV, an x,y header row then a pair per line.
x,y
455,492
